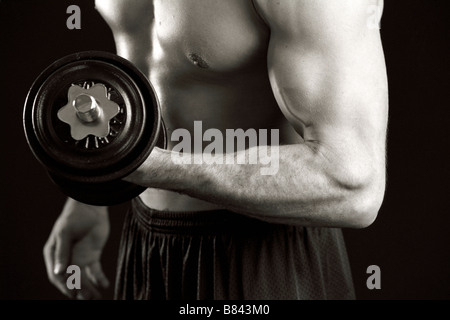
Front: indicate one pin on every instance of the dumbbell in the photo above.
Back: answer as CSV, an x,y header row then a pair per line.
x,y
91,118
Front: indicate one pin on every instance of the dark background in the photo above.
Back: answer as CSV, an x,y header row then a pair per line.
x,y
410,239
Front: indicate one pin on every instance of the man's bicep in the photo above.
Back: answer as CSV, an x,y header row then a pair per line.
x,y
329,75
319,90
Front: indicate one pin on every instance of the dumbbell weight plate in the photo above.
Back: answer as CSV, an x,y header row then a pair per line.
x,y
104,193
93,160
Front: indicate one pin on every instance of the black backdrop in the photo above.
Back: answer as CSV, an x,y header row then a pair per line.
x,y
410,239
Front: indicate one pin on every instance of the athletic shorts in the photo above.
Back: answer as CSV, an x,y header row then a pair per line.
x,y
223,255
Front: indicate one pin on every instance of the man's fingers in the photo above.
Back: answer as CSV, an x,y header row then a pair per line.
x,y
57,279
62,254
88,290
48,252
96,275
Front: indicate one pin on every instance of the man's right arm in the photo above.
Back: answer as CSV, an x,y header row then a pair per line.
x,y
77,238
81,231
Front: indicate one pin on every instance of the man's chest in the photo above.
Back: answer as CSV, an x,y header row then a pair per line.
x,y
216,35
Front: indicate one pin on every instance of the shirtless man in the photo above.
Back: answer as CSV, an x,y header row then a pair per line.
x,y
314,70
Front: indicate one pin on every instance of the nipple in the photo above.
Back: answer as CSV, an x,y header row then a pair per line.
x,y
198,61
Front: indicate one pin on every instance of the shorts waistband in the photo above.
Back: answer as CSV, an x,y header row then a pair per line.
x,y
212,220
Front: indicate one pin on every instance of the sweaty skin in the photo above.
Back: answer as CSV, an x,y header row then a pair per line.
x,y
314,70
208,62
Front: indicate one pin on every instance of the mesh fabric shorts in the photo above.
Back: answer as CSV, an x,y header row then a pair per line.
x,y
223,255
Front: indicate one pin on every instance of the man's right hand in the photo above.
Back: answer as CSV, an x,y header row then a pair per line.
x,y
78,238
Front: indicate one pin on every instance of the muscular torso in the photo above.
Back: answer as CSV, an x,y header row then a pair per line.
x,y
207,61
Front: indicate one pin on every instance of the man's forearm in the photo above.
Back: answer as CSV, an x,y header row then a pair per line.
x,y
303,191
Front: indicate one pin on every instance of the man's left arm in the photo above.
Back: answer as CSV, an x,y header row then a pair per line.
x,y
327,71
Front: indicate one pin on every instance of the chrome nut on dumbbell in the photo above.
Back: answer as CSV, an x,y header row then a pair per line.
x,y
92,118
